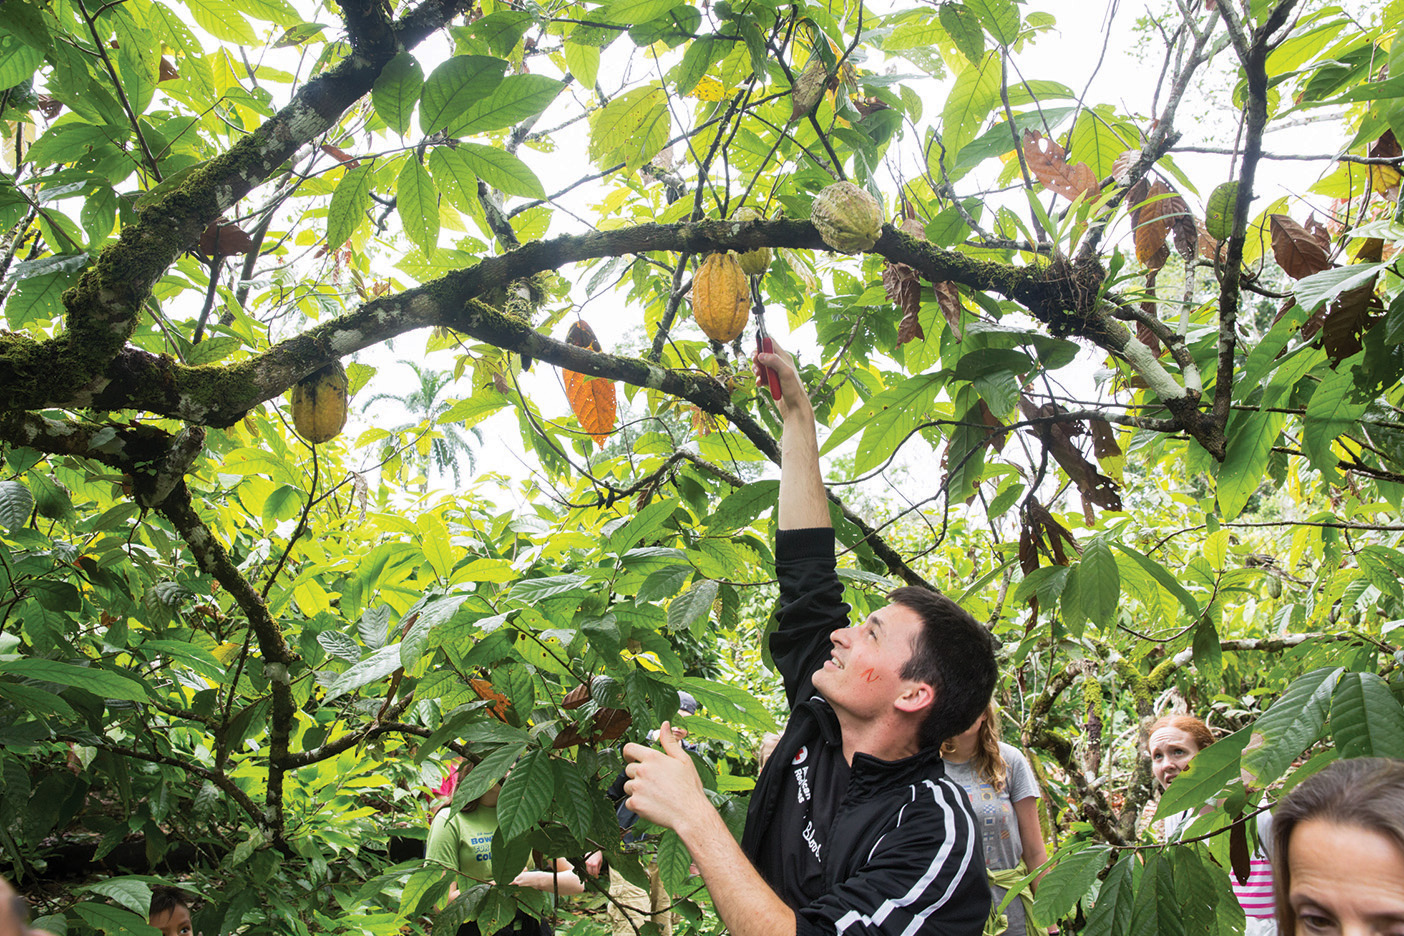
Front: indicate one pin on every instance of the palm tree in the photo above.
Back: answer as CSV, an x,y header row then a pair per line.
x,y
425,407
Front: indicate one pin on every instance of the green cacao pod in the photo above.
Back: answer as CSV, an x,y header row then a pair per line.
x,y
848,218
721,297
753,262
319,404
809,88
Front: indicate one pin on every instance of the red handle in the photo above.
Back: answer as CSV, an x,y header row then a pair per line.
x,y
772,377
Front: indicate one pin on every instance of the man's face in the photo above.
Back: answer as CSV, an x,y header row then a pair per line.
x,y
863,674
172,922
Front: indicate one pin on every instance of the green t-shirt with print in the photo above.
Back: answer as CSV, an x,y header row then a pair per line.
x,y
464,842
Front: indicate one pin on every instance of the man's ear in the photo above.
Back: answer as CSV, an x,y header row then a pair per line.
x,y
916,698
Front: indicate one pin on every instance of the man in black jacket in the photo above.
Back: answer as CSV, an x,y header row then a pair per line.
x,y
853,827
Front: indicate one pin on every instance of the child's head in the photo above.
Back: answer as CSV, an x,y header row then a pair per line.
x,y
170,911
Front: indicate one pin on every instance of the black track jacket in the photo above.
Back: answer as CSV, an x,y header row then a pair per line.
x,y
896,849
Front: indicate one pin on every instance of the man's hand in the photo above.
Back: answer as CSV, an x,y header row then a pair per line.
x,y
663,785
793,398
594,862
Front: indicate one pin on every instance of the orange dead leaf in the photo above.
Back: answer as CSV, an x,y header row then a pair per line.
x,y
340,156
1149,216
500,702
1048,162
591,398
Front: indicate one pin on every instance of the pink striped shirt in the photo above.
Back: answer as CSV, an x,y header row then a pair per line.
x,y
1255,897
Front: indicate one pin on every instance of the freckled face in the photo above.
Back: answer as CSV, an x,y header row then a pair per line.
x,y
1171,750
1345,881
863,672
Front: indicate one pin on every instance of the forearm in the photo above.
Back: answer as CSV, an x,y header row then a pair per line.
x,y
803,501
743,899
565,883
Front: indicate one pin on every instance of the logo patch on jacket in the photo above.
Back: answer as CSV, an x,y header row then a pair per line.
x,y
800,755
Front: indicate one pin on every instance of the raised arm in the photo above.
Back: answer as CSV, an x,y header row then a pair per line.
x,y
803,502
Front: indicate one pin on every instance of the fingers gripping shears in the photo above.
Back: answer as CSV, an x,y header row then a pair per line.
x,y
763,343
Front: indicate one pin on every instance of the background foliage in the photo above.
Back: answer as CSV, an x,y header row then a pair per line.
x,y
1145,424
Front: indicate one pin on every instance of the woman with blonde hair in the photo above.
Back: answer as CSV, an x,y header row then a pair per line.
x,y
1004,793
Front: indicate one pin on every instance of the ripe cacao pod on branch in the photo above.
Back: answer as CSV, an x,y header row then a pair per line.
x,y
753,262
319,404
848,218
721,297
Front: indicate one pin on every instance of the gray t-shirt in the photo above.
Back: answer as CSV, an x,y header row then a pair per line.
x,y
994,815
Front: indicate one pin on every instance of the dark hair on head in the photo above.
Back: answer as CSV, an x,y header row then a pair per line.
x,y
1190,725
955,656
165,898
1365,792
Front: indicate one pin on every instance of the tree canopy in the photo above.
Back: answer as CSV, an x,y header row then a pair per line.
x,y
1141,420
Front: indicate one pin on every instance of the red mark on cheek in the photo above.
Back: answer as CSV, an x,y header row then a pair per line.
x,y
869,675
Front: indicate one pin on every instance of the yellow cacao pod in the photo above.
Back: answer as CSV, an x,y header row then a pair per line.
x,y
721,298
848,218
753,262
320,402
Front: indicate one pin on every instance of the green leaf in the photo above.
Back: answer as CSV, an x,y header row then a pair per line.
x,y
100,682
999,17
526,794
213,350
645,525
631,129
1162,575
742,507
222,20
16,504
1284,731
516,99
277,12
340,646
535,591
18,60
1112,913
114,921
349,204
673,861
973,96
890,415
501,170
417,201
487,772
576,799
965,456
1319,288
1099,583
1068,882
692,606
634,12
729,703
700,55
963,27
374,667
1332,410
133,894
583,61
1366,719
453,88
1251,436
476,408
1045,583
396,91
1218,213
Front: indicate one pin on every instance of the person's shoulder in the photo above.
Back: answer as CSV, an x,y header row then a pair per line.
x,y
1012,755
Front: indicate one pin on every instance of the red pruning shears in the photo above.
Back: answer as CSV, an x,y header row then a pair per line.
x,y
763,343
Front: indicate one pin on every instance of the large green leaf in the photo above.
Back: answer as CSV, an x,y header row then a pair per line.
x,y
526,794
517,98
1319,288
692,606
374,667
1162,576
1334,408
417,201
1293,722
1068,882
222,19
631,129
890,415
16,504
396,91
100,682
1366,718
114,921
1111,915
1251,436
349,205
974,95
453,88
1099,583
999,17
501,170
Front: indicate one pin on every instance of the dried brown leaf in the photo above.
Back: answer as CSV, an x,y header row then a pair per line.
x,y
1295,249
988,417
1318,231
225,239
1347,319
1121,169
166,71
1048,162
347,161
948,297
1148,217
903,286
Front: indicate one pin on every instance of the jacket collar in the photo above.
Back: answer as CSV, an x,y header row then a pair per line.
x,y
870,775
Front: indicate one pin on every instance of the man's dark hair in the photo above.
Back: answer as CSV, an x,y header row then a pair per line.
x,y
955,655
165,898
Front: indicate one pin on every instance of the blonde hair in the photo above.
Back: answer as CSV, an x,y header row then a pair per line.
x,y
988,761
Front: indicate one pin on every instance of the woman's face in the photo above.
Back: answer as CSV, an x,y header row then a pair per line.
x,y
1171,750
1345,881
